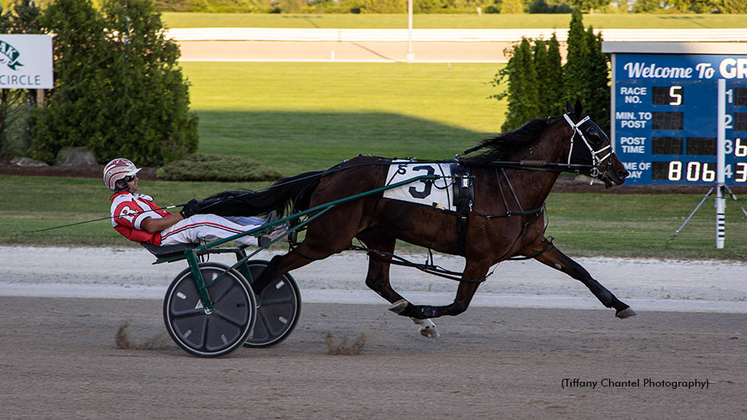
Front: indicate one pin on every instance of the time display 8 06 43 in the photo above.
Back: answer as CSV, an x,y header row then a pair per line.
x,y
665,117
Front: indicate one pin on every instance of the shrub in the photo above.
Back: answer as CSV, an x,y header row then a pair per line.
x,y
201,167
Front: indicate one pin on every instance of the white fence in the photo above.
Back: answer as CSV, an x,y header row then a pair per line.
x,y
448,35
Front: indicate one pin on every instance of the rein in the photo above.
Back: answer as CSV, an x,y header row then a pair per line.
x,y
94,220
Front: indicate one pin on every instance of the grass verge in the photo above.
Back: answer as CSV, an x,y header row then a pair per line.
x,y
582,224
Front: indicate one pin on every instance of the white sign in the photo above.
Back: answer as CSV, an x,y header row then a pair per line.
x,y
26,62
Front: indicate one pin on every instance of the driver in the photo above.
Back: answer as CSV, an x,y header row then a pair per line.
x,y
139,219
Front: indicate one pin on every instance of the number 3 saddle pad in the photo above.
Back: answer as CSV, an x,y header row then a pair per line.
x,y
429,192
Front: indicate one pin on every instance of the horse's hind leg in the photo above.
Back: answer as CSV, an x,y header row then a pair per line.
x,y
559,261
278,266
326,235
377,278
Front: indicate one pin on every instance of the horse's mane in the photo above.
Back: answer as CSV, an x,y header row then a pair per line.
x,y
499,147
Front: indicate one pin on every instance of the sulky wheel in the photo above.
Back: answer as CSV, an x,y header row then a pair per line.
x,y
278,311
217,333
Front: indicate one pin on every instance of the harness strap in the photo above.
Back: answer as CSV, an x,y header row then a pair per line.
x,y
308,257
513,213
428,267
511,187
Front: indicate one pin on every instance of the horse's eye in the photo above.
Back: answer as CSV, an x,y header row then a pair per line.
x,y
594,136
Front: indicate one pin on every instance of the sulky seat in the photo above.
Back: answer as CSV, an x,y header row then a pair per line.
x,y
168,250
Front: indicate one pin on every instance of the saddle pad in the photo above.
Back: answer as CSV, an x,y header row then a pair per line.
x,y
428,192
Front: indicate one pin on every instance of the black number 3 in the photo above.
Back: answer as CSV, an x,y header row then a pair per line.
x,y
428,183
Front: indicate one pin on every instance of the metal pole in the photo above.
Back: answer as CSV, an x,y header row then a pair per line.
x,y
691,214
410,54
720,162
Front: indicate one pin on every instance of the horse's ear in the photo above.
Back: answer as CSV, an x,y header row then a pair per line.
x,y
568,107
579,109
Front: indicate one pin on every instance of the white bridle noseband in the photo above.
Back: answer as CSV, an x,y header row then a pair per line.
x,y
596,160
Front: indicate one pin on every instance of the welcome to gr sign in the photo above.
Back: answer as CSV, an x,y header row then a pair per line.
x,y
26,62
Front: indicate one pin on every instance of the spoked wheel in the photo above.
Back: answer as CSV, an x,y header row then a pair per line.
x,y
217,333
278,311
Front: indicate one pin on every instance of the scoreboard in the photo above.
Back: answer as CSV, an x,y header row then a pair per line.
x,y
665,117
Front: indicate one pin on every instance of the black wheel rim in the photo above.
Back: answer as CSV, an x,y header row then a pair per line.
x,y
225,328
278,311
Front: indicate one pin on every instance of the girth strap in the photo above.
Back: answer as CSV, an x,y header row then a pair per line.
x,y
464,196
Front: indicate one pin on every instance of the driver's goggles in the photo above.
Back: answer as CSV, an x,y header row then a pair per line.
x,y
129,178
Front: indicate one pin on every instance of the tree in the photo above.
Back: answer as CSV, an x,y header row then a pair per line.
x,y
589,5
512,7
586,72
384,6
735,6
521,90
118,88
537,85
547,61
597,104
647,6
576,71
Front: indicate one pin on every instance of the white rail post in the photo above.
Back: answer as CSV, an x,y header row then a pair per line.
x,y
410,54
720,162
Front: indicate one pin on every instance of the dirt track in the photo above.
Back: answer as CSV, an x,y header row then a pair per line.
x,y
59,360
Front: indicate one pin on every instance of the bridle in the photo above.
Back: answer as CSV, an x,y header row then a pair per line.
x,y
596,160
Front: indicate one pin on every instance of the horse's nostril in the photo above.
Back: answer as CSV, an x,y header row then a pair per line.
x,y
623,173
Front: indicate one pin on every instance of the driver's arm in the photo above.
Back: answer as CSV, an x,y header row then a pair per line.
x,y
152,225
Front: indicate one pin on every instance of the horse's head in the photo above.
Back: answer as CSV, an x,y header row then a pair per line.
x,y
591,146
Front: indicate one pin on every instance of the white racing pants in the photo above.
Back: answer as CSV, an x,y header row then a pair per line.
x,y
209,227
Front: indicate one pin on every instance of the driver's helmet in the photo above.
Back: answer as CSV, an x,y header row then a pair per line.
x,y
116,170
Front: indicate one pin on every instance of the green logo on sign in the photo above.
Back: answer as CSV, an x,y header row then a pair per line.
x,y
11,55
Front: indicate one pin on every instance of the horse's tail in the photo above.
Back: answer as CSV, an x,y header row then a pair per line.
x,y
286,193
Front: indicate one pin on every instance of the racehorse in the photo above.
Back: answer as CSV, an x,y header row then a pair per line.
x,y
512,176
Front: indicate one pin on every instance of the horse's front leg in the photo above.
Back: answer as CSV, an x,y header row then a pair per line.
x,y
377,278
474,274
559,261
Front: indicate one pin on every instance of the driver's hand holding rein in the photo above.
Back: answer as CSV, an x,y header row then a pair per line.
x,y
139,219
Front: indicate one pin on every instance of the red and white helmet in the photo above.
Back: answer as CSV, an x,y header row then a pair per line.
x,y
116,170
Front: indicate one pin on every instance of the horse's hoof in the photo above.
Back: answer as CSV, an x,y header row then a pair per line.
x,y
626,313
427,328
399,306
430,332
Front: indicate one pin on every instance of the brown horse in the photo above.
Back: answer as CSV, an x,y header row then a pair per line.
x,y
512,178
